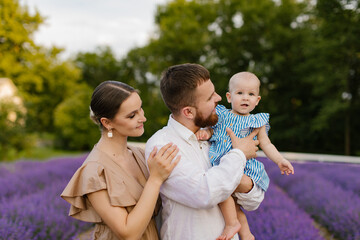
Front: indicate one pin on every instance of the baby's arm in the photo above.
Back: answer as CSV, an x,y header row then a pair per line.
x,y
273,154
204,134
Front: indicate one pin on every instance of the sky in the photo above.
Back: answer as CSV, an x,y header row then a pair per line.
x,y
82,25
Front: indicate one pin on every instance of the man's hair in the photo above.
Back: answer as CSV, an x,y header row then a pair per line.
x,y
178,84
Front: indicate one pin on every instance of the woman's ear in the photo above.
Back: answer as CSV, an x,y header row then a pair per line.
x,y
105,122
228,97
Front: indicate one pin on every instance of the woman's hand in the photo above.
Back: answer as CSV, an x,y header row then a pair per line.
x,y
162,163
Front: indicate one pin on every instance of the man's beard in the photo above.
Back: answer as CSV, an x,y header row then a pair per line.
x,y
202,122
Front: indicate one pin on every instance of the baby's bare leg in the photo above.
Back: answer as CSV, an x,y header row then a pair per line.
x,y
246,184
245,233
232,225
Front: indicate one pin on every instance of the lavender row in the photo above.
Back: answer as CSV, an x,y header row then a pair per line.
x,y
25,178
344,175
3,171
42,215
334,207
278,217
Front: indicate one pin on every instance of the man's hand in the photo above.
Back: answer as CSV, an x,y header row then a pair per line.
x,y
247,145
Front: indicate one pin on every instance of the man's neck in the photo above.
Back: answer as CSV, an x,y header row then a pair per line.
x,y
188,123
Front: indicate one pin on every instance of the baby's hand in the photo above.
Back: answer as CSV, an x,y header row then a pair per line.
x,y
203,134
286,167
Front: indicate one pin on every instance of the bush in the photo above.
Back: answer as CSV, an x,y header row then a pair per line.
x,y
12,125
75,130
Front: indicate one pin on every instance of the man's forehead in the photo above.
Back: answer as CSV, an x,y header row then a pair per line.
x,y
205,89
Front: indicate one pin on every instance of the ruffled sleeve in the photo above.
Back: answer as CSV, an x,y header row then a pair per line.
x,y
88,178
123,190
259,120
222,112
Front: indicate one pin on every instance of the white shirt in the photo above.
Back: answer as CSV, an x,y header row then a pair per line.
x,y
191,194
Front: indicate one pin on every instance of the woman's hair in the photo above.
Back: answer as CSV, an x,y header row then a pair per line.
x,y
178,85
107,99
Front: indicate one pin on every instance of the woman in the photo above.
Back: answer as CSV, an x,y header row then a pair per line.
x,y
113,187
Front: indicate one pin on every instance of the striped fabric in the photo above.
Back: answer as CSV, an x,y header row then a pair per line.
x,y
241,126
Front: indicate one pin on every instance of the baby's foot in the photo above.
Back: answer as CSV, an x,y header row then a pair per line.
x,y
230,231
246,236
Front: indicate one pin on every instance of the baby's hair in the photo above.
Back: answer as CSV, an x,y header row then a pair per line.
x,y
243,76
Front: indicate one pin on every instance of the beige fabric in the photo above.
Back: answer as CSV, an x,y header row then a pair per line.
x,y
250,201
100,172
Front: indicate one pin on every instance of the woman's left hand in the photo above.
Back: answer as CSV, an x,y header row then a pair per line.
x,y
162,163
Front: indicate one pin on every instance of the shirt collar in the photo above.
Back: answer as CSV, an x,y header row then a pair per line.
x,y
181,130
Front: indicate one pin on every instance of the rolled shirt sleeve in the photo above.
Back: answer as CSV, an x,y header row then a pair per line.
x,y
193,182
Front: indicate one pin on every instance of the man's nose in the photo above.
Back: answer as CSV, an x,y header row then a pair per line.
x,y
217,98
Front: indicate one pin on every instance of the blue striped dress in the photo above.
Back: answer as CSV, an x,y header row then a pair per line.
x,y
241,126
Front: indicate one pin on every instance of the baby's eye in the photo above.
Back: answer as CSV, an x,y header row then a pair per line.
x,y
239,92
252,94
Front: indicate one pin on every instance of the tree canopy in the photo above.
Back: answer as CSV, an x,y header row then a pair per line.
x,y
306,54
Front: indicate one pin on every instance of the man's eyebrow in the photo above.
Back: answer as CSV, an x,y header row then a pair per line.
x,y
211,95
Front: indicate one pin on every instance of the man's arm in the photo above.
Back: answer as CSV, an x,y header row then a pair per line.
x,y
191,185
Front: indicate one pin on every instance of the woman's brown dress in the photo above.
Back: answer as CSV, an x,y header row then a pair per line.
x,y
100,172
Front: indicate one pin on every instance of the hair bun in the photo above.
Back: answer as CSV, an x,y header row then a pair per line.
x,y
93,117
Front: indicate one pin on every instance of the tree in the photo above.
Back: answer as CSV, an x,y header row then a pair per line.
x,y
98,66
335,74
43,81
75,130
12,118
182,33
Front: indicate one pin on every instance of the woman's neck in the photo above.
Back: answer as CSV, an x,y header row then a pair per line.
x,y
114,147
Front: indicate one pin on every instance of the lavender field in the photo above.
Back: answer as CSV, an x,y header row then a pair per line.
x,y
321,201
31,207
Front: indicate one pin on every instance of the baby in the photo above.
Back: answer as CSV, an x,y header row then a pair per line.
x,y
244,96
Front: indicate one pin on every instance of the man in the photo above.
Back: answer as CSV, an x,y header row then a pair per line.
x,y
191,194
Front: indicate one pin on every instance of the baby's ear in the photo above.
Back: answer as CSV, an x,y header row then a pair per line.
x,y
259,98
228,97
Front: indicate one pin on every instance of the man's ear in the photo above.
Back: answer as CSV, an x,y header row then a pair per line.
x,y
228,97
188,112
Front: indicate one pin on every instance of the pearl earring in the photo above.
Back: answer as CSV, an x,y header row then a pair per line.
x,y
110,133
